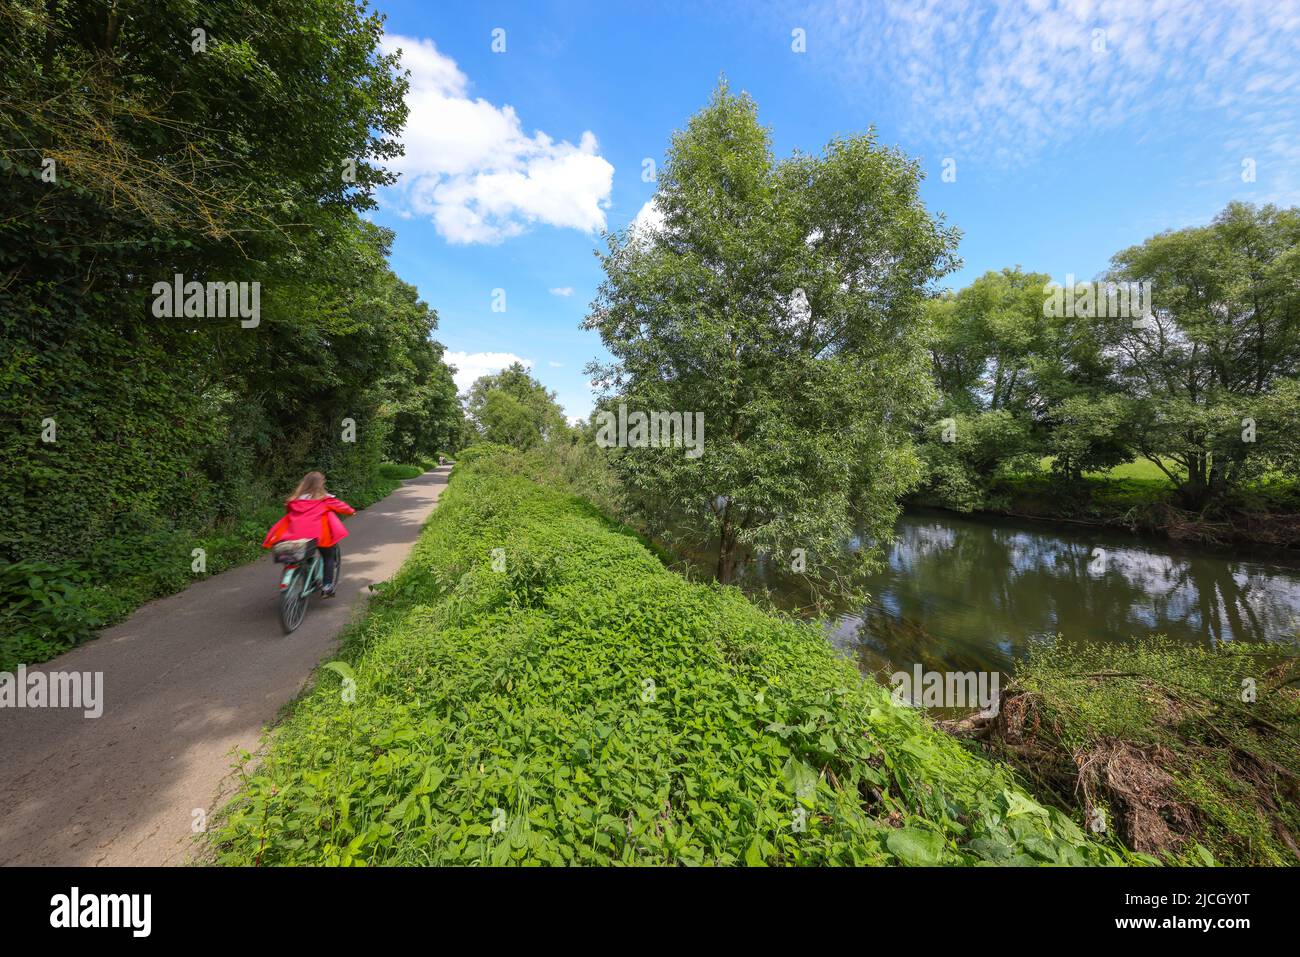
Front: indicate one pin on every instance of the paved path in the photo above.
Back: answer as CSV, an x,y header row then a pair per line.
x,y
187,680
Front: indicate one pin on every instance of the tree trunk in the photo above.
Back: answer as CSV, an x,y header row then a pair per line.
x,y
726,549
1195,491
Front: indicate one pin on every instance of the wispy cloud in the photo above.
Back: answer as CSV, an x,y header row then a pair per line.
x,y
1008,79
471,168
564,291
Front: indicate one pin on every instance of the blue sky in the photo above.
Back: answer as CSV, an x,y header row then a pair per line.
x,y
1076,129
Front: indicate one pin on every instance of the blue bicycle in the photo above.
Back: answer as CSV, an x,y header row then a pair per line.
x,y
304,575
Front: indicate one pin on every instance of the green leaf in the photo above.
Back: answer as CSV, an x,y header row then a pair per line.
x,y
917,847
342,669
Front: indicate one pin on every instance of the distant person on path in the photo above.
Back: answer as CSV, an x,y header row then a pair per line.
x,y
313,513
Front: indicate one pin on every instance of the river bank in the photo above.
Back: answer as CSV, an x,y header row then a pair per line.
x,y
1267,515
1185,752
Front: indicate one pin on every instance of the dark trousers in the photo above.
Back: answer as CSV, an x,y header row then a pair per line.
x,y
331,557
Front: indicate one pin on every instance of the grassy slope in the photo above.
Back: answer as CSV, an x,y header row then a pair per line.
x,y
1157,737
586,705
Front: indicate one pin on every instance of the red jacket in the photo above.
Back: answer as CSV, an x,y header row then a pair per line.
x,y
311,518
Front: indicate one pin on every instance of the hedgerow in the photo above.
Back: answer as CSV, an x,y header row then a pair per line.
x,y
579,703
130,434
47,608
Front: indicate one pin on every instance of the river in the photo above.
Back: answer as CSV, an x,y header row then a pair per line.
x,y
962,593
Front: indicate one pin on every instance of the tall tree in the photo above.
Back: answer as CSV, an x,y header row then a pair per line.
x,y
1017,381
985,338
781,300
233,141
1225,330
512,408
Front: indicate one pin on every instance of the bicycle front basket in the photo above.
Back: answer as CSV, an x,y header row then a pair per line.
x,y
290,552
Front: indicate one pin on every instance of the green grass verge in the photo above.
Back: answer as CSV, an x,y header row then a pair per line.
x,y
585,705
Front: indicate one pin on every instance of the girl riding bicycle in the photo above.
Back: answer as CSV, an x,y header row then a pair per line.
x,y
313,513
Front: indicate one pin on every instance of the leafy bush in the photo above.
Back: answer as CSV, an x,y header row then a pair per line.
x,y
963,471
43,610
395,472
479,451
587,706
571,463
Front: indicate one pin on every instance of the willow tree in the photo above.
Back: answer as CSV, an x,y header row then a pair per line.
x,y
512,408
1223,336
780,299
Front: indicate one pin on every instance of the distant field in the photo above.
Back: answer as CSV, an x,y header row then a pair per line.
x,y
1134,483
1139,469
1141,482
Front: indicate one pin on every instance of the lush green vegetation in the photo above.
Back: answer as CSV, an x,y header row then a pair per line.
x,y
535,686
47,608
393,471
579,703
764,305
1197,404
512,408
1189,753
131,153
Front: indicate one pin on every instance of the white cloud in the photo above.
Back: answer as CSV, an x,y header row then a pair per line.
x,y
472,365
471,168
1009,79
555,365
565,291
649,219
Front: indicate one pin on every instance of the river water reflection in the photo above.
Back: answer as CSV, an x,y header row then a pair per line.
x,y
974,592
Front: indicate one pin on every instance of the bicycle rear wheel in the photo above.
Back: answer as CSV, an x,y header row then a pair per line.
x,y
293,603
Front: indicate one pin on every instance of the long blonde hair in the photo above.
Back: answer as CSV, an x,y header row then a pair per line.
x,y
311,486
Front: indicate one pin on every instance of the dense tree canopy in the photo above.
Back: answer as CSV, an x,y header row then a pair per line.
x,y
1016,383
512,408
1200,387
1225,333
780,300
231,141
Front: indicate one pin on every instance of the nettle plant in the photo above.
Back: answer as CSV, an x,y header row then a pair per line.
x,y
43,610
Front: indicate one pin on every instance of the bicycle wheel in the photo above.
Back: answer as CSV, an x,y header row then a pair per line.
x,y
293,603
